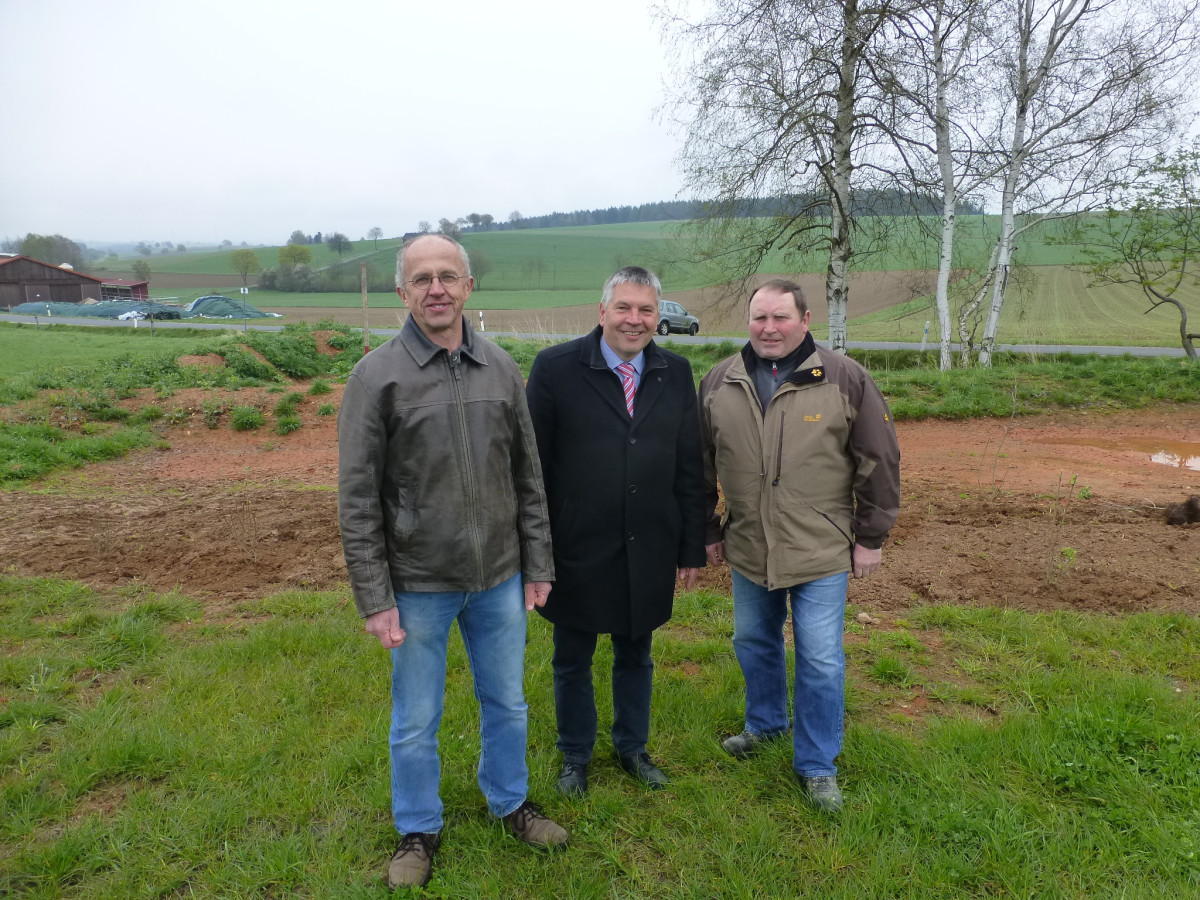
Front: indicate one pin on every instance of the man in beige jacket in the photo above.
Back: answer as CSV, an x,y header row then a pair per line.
x,y
803,445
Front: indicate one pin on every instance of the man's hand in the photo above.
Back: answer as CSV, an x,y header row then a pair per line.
x,y
536,594
866,561
385,625
715,553
688,577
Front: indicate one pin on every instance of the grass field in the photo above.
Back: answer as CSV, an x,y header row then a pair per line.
x,y
580,258
25,348
1048,305
151,750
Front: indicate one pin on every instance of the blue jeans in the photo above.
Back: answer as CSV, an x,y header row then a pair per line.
x,y
818,610
492,624
575,698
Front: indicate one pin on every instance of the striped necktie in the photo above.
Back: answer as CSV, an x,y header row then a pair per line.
x,y
626,371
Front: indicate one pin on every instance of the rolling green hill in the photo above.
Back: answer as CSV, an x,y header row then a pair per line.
x,y
581,258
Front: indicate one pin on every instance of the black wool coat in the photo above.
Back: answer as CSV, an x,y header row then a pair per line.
x,y
625,494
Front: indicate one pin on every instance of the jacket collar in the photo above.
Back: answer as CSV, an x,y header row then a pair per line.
x,y
810,370
605,383
423,350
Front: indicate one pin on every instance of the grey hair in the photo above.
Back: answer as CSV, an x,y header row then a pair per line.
x,y
462,251
631,275
784,286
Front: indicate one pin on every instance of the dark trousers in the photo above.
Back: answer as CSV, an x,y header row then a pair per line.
x,y
575,698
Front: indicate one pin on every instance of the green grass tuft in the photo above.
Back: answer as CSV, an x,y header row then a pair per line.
x,y
246,418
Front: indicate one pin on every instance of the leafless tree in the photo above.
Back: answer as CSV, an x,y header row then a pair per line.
x,y
945,147
1150,236
785,99
1091,89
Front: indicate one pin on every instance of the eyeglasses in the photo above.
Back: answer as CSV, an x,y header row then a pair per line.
x,y
425,282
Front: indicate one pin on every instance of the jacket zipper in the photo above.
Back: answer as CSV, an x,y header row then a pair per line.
x,y
469,468
779,455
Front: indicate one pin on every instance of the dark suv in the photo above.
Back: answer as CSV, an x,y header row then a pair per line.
x,y
673,317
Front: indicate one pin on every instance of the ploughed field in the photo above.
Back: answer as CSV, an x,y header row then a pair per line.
x,y
1060,511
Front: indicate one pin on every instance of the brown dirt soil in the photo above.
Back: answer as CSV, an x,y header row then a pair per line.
x,y
992,512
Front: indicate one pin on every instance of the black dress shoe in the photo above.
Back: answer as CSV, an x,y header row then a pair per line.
x,y
572,780
640,767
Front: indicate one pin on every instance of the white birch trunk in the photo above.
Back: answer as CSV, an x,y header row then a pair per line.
x,y
941,126
837,287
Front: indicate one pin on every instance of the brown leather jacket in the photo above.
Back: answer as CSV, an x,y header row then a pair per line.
x,y
805,480
439,484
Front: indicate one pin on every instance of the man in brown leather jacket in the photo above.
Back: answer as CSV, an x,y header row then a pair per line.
x,y
803,445
444,519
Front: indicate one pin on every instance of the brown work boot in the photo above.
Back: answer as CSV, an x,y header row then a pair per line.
x,y
412,863
528,824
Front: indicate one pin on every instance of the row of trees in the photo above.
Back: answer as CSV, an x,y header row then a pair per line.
x,y
147,249
51,248
338,242
1045,108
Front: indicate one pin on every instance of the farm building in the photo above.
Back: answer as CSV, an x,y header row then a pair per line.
x,y
27,280
121,289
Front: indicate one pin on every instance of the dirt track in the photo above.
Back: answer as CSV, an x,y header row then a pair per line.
x,y
989,514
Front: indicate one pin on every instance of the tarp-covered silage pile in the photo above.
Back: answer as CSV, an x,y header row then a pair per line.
x,y
211,307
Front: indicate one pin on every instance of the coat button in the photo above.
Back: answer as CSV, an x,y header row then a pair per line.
x,y
631,535
633,489
633,440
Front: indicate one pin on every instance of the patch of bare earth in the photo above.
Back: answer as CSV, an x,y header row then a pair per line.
x,y
992,512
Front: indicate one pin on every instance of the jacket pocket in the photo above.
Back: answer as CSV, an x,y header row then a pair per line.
x,y
405,516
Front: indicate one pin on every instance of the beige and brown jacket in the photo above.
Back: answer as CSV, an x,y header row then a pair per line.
x,y
807,478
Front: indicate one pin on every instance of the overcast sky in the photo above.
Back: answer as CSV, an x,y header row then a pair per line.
x,y
132,120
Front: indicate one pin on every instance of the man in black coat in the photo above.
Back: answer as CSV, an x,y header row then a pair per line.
x,y
618,435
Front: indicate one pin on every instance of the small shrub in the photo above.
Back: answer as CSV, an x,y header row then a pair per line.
x,y
319,386
211,411
326,409
146,414
246,418
287,424
287,406
101,409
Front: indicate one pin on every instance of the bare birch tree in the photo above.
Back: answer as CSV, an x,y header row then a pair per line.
x,y
1092,88
784,99
949,150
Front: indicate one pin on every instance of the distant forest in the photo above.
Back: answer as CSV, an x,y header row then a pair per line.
x,y
866,203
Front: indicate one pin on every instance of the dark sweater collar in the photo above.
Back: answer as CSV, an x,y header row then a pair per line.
x,y
791,362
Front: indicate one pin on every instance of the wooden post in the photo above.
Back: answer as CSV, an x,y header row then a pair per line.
x,y
362,271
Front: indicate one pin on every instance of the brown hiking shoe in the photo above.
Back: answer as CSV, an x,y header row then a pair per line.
x,y
528,824
412,863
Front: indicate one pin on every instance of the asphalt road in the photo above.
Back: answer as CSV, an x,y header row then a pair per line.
x,y
246,324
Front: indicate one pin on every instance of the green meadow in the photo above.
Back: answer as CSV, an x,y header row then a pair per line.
x,y
1052,304
151,749
578,258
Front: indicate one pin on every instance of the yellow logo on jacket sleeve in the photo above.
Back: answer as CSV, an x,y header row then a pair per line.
x,y
816,418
